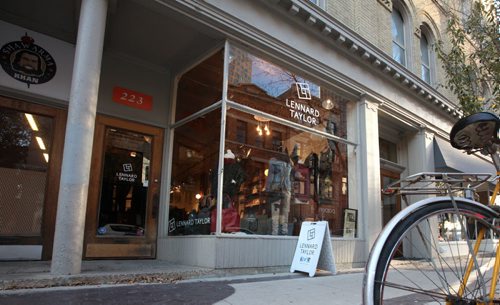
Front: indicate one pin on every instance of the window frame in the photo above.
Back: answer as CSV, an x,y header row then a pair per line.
x,y
426,33
401,45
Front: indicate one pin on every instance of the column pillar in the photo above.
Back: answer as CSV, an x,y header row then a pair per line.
x,y
369,160
72,204
421,152
420,159
420,156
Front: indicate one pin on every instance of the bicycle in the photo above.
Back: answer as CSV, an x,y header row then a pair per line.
x,y
444,249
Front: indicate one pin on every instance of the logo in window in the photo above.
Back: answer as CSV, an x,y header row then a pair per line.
x,y
171,225
303,91
311,234
127,167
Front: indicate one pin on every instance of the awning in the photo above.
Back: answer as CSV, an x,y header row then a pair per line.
x,y
449,159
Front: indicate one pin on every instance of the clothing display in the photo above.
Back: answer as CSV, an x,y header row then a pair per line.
x,y
278,188
234,176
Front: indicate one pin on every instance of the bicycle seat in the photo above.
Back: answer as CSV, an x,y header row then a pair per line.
x,y
475,131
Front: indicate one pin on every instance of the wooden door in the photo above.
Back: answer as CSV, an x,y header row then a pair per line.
x,y
31,145
391,205
124,190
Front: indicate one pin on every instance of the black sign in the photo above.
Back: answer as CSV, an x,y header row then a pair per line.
x,y
27,62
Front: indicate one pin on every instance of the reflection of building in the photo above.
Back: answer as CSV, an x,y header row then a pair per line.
x,y
376,120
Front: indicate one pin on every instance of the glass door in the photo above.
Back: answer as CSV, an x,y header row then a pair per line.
x,y
31,141
391,205
123,199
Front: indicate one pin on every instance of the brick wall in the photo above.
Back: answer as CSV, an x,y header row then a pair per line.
x,y
371,19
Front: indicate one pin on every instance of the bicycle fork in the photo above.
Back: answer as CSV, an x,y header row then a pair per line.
x,y
472,261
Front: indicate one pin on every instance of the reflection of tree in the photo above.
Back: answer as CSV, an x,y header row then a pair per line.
x,y
15,138
275,80
269,77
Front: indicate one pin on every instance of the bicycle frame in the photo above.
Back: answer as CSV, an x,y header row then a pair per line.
x,y
471,261
444,185
369,279
478,132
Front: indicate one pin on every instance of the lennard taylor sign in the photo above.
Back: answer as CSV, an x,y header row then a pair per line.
x,y
300,111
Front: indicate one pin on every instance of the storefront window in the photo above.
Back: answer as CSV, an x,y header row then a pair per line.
x,y
285,175
25,144
200,87
194,176
293,176
264,86
280,168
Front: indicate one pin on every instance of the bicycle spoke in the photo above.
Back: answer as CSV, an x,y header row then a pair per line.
x,y
423,264
437,296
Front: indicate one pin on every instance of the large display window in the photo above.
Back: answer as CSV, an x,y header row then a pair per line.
x,y
200,87
25,146
285,156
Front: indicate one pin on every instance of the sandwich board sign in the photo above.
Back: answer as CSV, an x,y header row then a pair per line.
x,y
314,249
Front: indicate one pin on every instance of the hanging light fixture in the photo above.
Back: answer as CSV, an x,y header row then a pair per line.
x,y
262,125
327,104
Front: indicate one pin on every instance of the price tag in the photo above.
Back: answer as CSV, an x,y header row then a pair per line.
x,y
132,98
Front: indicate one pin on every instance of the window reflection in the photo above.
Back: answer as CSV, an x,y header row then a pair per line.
x,y
294,176
25,143
125,183
274,176
200,87
194,176
398,39
267,87
425,58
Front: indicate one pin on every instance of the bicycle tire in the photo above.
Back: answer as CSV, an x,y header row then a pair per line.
x,y
413,268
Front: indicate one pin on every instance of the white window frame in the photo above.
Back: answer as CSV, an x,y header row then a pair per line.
x,y
425,65
402,46
319,3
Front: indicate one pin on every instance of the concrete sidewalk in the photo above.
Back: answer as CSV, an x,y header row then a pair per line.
x,y
270,286
36,274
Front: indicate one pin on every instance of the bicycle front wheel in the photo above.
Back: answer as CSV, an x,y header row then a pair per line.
x,y
425,257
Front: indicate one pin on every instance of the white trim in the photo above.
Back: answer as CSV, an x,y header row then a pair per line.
x,y
24,252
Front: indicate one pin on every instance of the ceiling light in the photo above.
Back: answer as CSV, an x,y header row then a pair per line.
x,y
327,104
40,143
31,121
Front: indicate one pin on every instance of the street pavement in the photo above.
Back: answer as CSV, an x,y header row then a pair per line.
x,y
268,289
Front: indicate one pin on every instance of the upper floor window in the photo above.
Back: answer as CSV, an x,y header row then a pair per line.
x,y
320,3
425,59
398,37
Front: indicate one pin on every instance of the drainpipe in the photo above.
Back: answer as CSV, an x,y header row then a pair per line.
x,y
72,204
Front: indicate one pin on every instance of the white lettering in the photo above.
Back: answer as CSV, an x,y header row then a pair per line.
x,y
303,112
30,79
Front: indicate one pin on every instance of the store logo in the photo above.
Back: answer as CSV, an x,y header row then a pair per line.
x,y
27,62
311,234
171,225
127,167
303,91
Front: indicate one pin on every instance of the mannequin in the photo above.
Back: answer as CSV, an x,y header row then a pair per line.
x,y
234,176
278,187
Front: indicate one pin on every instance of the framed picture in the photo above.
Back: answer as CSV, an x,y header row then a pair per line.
x,y
350,223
